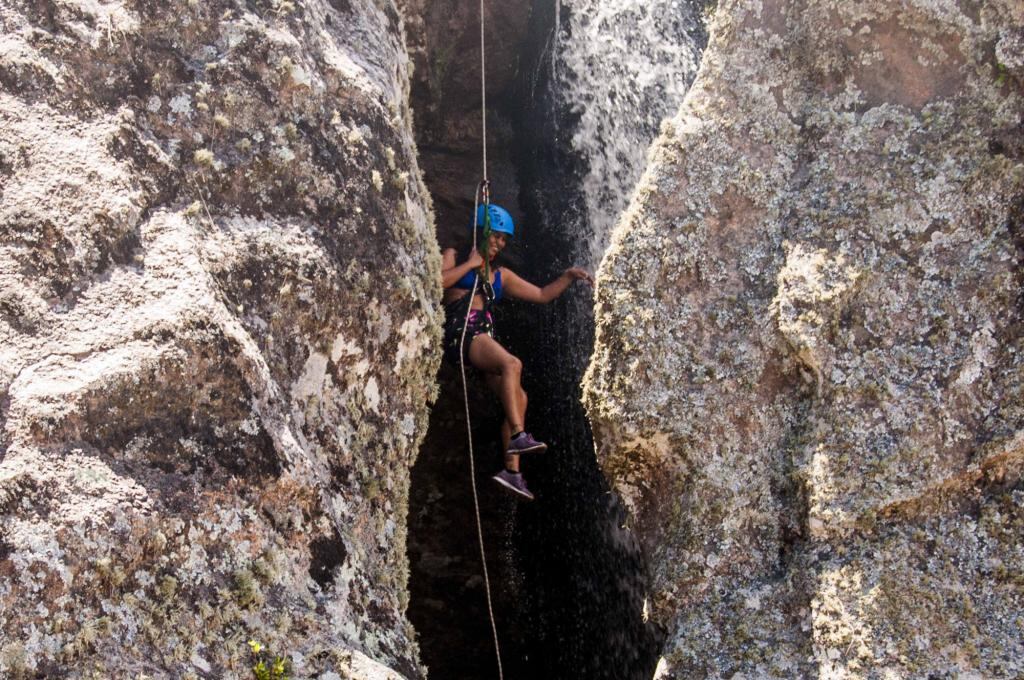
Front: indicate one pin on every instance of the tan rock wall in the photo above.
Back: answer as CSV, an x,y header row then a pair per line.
x,y
807,378
218,284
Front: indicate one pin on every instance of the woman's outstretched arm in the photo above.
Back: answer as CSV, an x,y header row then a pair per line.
x,y
452,272
524,290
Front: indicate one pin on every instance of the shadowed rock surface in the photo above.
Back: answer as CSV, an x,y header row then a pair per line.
x,y
218,337
445,93
807,379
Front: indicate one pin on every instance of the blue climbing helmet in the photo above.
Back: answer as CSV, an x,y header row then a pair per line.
x,y
500,219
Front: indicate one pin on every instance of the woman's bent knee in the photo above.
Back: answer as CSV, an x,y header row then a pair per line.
x,y
512,365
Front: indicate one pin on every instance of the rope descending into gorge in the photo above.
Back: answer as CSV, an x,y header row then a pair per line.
x,y
482,191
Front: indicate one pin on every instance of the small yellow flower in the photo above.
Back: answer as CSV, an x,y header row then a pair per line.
x,y
255,646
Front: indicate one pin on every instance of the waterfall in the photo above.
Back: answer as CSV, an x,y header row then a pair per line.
x,y
619,67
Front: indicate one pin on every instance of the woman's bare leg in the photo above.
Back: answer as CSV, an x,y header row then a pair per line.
x,y
511,459
494,382
489,356
503,372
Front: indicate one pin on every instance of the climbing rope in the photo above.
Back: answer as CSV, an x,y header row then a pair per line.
x,y
469,433
483,191
483,89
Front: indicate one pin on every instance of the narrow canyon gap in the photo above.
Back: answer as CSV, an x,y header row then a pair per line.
x,y
569,121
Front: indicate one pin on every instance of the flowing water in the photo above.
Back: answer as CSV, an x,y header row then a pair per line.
x,y
620,67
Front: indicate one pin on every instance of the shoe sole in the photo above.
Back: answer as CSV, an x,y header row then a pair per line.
x,y
540,448
518,493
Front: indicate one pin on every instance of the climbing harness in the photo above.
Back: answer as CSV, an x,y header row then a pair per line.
x,y
483,191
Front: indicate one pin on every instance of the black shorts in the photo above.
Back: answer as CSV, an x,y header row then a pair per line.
x,y
480,321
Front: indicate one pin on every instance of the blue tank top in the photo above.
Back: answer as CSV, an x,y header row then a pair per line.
x,y
469,278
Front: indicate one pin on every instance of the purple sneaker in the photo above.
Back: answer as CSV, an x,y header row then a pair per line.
x,y
525,443
514,483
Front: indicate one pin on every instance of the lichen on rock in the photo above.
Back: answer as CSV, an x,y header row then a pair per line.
x,y
807,373
217,338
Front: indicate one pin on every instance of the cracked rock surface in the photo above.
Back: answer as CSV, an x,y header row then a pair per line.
x,y
218,332
807,380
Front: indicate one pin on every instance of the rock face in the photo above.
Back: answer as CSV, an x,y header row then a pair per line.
x,y
218,337
807,380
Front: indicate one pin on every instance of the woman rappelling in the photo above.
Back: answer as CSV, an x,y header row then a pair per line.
x,y
469,325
